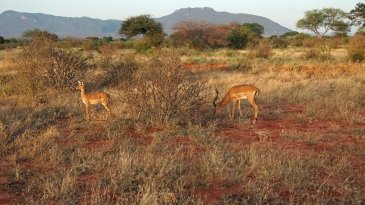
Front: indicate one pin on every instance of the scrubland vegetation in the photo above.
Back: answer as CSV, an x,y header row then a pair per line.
x,y
162,144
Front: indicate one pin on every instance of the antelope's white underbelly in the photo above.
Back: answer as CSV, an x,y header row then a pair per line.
x,y
242,97
92,101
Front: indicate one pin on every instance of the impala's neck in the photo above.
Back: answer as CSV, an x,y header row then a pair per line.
x,y
82,90
222,103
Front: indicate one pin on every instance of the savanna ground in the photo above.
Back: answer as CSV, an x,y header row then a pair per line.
x,y
308,146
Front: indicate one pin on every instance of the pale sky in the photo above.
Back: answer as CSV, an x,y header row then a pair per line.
x,y
284,12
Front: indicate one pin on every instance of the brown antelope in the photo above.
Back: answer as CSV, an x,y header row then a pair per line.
x,y
234,95
93,98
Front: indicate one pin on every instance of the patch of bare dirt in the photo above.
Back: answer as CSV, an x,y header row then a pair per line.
x,y
204,66
317,135
215,191
6,197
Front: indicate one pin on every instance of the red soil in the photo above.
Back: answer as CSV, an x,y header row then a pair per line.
x,y
326,135
5,196
215,192
204,66
323,135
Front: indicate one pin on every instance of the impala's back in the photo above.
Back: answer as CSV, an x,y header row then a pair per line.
x,y
95,98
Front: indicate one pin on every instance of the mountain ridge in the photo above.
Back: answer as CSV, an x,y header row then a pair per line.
x,y
220,17
14,23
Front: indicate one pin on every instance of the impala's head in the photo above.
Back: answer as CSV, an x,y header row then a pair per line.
x,y
216,110
80,86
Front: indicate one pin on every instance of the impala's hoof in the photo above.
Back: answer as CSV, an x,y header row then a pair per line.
x,y
254,121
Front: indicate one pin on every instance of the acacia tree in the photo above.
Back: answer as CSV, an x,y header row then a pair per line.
x,y
357,15
324,20
143,25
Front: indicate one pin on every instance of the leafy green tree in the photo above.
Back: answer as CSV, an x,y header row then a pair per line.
x,y
244,34
107,39
143,25
324,20
2,40
237,39
255,28
357,15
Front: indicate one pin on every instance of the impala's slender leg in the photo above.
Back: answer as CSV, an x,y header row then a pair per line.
x,y
255,107
107,108
87,112
234,104
239,107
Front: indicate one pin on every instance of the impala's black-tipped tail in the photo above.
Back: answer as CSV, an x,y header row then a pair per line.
x,y
216,98
257,93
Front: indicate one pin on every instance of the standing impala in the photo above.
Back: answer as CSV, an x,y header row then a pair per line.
x,y
93,98
234,95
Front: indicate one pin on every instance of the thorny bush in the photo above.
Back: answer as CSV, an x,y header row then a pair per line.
x,y
44,66
164,91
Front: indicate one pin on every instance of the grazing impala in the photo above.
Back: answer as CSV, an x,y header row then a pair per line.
x,y
93,98
234,95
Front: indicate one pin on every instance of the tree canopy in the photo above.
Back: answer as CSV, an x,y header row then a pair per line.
x,y
357,15
255,28
143,25
324,20
245,33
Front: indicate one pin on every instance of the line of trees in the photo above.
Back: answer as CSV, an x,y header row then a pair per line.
x,y
203,35
194,34
200,35
321,21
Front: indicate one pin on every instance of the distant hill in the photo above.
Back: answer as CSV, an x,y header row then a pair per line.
x,y
13,24
209,15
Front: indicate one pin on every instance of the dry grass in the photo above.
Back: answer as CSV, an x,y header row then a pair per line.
x,y
307,147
